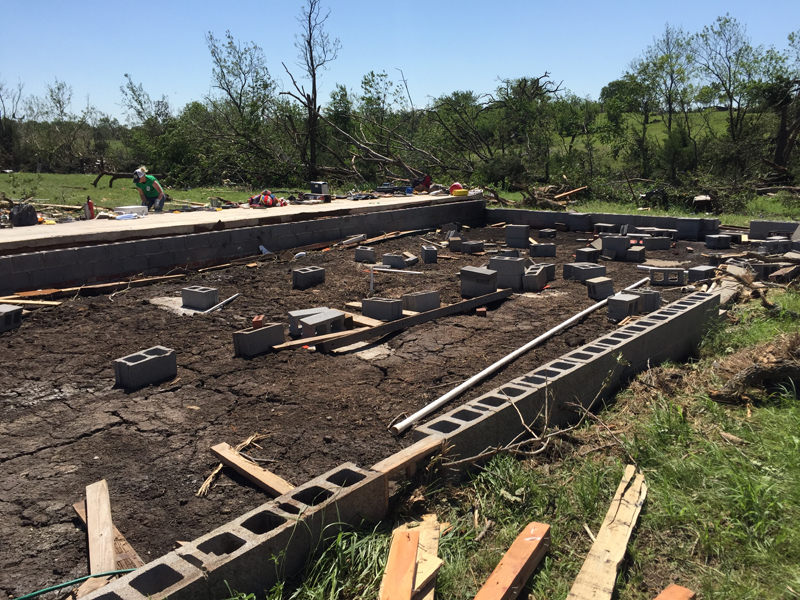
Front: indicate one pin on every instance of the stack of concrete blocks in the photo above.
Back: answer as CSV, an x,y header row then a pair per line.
x,y
307,277
583,271
649,300
622,305
394,261
295,326
517,236
701,273
584,376
534,279
600,288
547,233
143,368
383,309
587,255
421,301
477,281
509,271
454,242
542,250
636,254
199,297
10,317
471,247
718,242
323,323
764,270
667,276
366,254
430,255
615,247
254,341
761,230
776,245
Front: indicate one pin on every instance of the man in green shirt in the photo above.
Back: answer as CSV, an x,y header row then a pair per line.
x,y
150,190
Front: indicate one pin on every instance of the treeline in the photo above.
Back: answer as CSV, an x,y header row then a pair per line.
x,y
704,103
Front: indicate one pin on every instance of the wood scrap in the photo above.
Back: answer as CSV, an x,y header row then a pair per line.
x,y
20,302
676,592
518,564
239,447
393,236
101,288
313,341
263,478
407,458
100,529
357,306
126,557
399,575
598,574
569,193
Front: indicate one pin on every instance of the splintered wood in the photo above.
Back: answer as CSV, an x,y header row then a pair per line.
x,y
428,561
400,573
599,572
260,476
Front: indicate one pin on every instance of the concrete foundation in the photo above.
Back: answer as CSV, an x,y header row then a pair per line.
x,y
199,297
255,341
153,365
10,317
307,277
384,309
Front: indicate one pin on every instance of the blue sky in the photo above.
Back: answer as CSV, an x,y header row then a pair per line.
x,y
441,46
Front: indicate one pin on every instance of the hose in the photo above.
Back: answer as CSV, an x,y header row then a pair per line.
x,y
73,582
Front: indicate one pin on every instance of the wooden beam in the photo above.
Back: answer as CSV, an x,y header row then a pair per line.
x,y
19,302
676,592
357,306
599,572
261,477
102,557
569,193
125,555
315,340
518,564
398,578
86,290
408,458
363,321
417,319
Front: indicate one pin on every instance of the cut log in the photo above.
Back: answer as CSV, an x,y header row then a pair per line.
x,y
676,592
398,578
424,317
518,564
599,572
102,558
261,477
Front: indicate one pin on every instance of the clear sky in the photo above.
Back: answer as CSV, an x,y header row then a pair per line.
x,y
441,46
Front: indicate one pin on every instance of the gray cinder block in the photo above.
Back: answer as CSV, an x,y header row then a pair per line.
x,y
322,323
307,277
542,250
365,254
622,305
664,276
636,254
199,297
384,309
477,281
657,243
507,265
549,270
148,366
295,315
472,247
600,288
604,228
718,242
454,243
517,236
514,252
589,255
394,261
10,317
547,233
534,279
430,254
583,271
421,301
701,273
252,342
649,300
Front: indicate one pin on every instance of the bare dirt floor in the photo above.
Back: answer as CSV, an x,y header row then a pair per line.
x,y
64,425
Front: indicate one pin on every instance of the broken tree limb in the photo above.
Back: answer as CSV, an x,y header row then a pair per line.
x,y
599,572
405,322
263,478
518,564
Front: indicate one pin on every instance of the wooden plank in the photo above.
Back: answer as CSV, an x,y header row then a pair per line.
x,y
409,457
398,578
676,592
363,321
569,193
518,564
260,476
19,302
417,319
357,306
428,562
599,572
315,340
100,528
126,556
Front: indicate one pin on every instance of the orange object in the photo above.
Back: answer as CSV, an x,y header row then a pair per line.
x,y
258,322
481,312
676,592
518,564
398,578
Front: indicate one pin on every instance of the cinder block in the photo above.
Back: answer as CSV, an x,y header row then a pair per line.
x,y
579,221
30,261
143,368
10,317
454,243
718,242
549,270
394,261
583,271
510,281
307,277
430,254
600,288
507,265
365,254
517,236
664,276
688,228
295,327
385,309
199,297
588,255
649,300
542,250
55,259
512,252
622,305
472,247
701,273
636,254
477,281
764,270
421,301
255,341
534,279
604,228
547,233
322,323
761,230
657,243
615,246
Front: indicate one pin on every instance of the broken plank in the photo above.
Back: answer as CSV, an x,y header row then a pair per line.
x,y
569,193
428,562
407,458
260,476
312,341
90,585
125,555
518,564
598,574
398,578
423,317
676,592
102,558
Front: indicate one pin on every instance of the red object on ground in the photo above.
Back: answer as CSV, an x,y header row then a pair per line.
x,y
455,186
258,322
481,312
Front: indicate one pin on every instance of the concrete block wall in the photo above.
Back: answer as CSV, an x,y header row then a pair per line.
x,y
153,256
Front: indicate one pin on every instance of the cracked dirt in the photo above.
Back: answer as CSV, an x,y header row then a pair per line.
x,y
64,425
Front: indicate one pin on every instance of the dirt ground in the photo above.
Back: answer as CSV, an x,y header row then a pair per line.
x,y
64,425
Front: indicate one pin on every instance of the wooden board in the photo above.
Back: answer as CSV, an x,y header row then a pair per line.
x,y
100,528
126,556
599,572
99,288
676,592
18,302
569,193
398,578
428,562
362,321
315,340
518,564
407,458
357,306
260,476
424,317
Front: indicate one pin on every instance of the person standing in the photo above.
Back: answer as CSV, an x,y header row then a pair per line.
x,y
150,189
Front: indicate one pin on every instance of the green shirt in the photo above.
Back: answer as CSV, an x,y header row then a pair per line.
x,y
148,186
